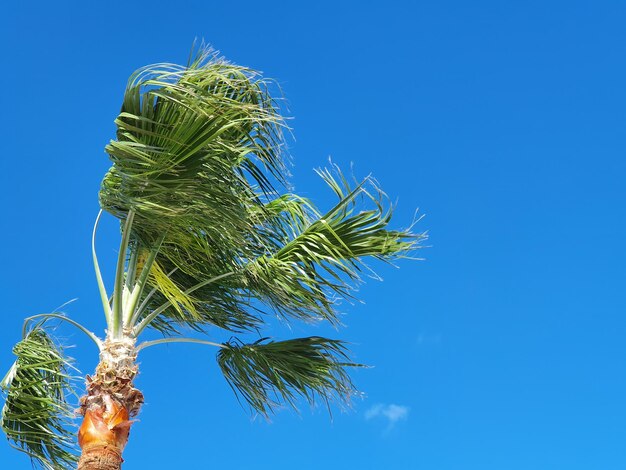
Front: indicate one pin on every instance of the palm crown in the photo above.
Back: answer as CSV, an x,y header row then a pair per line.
x,y
210,238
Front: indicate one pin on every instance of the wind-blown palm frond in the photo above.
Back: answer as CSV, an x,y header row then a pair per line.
x,y
308,260
220,303
267,372
36,415
190,143
320,257
168,288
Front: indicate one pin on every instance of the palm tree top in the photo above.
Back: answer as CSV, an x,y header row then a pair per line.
x,y
212,237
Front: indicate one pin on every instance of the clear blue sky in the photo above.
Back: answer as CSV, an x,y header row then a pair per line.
x,y
504,122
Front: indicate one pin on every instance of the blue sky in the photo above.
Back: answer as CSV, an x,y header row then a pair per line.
x,y
503,122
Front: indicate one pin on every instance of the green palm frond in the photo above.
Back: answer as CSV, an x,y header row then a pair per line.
x,y
219,304
268,373
168,288
319,257
36,415
306,262
193,144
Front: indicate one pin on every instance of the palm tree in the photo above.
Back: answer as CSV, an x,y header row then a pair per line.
x,y
207,241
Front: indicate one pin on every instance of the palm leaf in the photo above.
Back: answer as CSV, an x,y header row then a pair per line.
x,y
267,373
319,257
36,415
193,144
220,304
306,261
168,288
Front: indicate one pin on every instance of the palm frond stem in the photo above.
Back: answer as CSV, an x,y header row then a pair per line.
x,y
147,344
118,291
104,296
46,316
130,308
131,271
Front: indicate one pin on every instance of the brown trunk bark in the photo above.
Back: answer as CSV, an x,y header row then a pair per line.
x,y
100,458
110,401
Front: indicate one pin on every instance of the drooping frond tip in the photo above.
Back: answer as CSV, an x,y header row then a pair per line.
x,y
267,373
36,416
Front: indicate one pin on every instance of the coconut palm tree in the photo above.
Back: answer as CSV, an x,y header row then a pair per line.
x,y
207,241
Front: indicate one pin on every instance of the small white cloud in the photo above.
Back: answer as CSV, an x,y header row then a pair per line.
x,y
392,413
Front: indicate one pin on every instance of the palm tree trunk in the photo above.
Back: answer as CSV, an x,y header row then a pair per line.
x,y
110,401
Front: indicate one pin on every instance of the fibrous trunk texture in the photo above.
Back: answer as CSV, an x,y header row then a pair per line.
x,y
110,402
